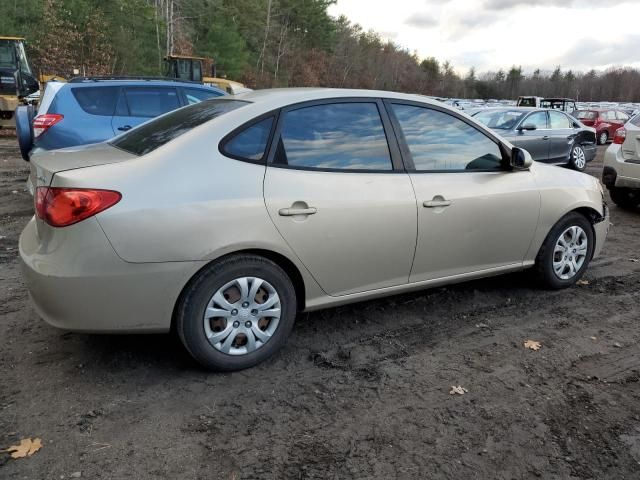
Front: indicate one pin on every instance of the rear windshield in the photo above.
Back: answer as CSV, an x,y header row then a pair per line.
x,y
155,133
585,114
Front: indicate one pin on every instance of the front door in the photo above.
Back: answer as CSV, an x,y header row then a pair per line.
x,y
334,195
561,137
473,215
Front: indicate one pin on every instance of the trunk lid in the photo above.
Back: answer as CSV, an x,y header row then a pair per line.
x,y
46,163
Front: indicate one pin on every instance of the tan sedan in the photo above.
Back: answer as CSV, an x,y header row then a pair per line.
x,y
225,218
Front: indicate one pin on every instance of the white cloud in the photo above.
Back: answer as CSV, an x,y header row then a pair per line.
x,y
493,34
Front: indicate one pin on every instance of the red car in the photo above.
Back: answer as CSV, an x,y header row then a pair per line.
x,y
605,121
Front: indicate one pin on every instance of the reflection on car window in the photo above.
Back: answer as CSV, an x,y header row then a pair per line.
x,y
196,95
502,120
345,136
439,141
155,133
251,143
585,114
539,119
559,120
96,100
151,102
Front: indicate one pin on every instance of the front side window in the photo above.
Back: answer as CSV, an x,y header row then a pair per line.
x,y
341,136
197,95
250,143
559,120
537,119
155,133
439,141
151,101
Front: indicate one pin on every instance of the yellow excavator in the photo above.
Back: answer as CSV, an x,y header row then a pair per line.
x,y
191,68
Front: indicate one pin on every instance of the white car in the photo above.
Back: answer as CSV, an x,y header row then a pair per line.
x,y
621,172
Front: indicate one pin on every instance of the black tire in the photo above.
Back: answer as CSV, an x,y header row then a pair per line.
x,y
603,137
194,300
544,261
627,198
574,162
24,129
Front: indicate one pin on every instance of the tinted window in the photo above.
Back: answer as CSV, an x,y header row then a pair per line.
x,y
196,95
97,100
502,120
155,133
151,101
250,143
346,136
539,119
439,141
559,121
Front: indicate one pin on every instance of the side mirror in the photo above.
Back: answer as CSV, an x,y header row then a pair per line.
x,y
520,159
527,126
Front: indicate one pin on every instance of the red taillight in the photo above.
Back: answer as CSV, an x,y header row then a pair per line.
x,y
620,135
42,123
60,207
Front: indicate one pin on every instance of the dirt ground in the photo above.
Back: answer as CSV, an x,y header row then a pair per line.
x,y
359,391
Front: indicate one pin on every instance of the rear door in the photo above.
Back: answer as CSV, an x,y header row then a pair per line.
x,y
337,193
136,105
536,142
561,137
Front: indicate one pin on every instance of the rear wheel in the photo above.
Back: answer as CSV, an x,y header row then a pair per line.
x,y
627,198
578,159
566,252
236,313
603,137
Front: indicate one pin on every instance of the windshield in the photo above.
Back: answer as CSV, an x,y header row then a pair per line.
x,y
585,114
501,120
159,131
8,55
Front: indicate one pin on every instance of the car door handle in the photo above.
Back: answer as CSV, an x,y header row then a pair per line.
x,y
436,203
124,128
546,137
290,212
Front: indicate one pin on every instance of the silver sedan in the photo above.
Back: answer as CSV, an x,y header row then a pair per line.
x,y
226,218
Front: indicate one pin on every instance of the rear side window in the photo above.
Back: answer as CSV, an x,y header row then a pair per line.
x,y
538,119
636,120
337,136
622,116
97,100
196,95
559,120
151,102
439,141
585,115
250,143
155,133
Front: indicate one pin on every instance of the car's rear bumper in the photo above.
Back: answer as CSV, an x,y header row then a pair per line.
x,y
618,172
77,282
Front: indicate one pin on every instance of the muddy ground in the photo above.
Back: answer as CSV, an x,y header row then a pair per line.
x,y
359,391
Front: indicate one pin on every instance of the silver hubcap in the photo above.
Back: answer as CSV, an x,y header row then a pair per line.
x,y
579,159
570,252
603,138
242,315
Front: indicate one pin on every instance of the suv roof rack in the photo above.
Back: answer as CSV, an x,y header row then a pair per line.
x,y
143,78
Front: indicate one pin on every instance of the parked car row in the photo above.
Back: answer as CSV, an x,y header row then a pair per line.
x,y
225,218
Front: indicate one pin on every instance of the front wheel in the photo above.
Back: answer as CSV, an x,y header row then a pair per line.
x,y
628,198
566,252
578,159
236,313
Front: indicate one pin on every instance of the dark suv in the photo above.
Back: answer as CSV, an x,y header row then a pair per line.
x,y
90,110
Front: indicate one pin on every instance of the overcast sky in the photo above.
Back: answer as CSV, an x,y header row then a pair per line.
x,y
493,34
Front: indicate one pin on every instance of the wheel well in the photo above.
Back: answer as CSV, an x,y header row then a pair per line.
x,y
283,262
590,214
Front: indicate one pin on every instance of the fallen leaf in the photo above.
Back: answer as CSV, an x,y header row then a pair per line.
x,y
458,390
26,448
583,282
532,345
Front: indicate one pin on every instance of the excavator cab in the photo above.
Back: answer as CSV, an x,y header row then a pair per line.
x,y
16,79
184,67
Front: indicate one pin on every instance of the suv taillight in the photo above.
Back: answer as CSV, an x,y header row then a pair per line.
x,y
42,123
620,135
60,207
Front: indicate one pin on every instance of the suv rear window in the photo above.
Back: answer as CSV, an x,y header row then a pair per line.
x,y
97,100
155,133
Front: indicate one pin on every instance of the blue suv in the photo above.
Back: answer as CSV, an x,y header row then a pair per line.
x,y
92,110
